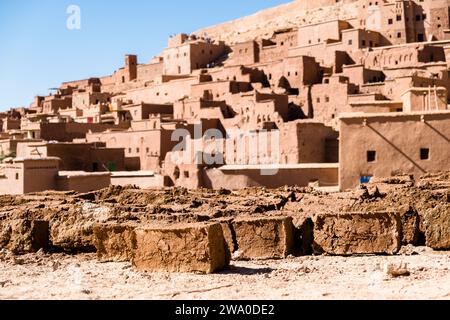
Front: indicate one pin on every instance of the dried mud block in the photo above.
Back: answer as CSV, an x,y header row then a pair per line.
x,y
437,224
357,233
228,234
410,225
262,238
23,236
115,242
198,247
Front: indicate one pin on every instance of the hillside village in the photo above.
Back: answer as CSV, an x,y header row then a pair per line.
x,y
329,93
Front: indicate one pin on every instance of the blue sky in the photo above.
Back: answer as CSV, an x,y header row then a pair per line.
x,y
38,52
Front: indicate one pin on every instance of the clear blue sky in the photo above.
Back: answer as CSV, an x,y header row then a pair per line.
x,y
38,52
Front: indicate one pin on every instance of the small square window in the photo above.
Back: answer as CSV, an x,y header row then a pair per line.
x,y
350,42
399,18
399,34
371,156
424,154
390,21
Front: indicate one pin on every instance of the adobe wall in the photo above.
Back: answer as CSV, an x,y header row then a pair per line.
x,y
139,180
397,140
11,179
218,89
198,109
425,99
318,33
358,74
54,104
243,178
147,124
82,100
144,111
66,132
138,145
306,142
82,182
244,53
11,124
11,145
78,157
106,159
329,100
406,55
40,174
190,56
162,93
148,72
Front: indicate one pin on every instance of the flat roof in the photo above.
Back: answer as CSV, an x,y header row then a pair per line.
x,y
70,174
322,22
281,166
362,115
374,102
132,174
21,159
404,45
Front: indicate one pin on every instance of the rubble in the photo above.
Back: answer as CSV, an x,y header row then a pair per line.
x,y
398,270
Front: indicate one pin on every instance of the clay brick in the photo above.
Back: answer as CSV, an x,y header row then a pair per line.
x,y
437,224
264,237
228,233
196,247
410,225
115,242
23,236
357,233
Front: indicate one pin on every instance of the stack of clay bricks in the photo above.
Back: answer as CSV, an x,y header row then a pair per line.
x,y
208,247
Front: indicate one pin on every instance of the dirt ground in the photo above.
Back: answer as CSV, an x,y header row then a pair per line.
x,y
59,276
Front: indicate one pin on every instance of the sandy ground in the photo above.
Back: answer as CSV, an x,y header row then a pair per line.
x,y
58,276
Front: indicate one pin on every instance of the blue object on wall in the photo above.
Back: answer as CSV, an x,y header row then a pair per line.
x,y
365,179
